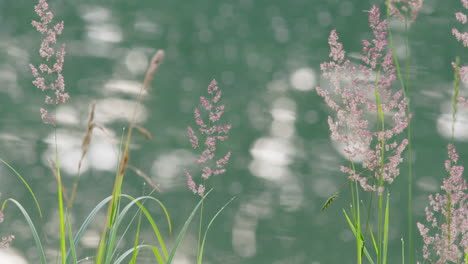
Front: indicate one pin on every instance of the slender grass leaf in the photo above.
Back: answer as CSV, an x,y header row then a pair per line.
x,y
374,242
130,251
86,223
385,238
200,254
37,240
152,222
366,252
403,251
70,238
137,238
184,228
25,184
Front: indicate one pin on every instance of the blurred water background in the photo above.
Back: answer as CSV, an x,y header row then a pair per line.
x,y
265,56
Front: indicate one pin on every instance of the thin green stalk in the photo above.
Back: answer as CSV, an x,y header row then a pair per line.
x,y
200,254
117,189
63,245
405,86
386,224
381,179
402,251
379,230
456,91
409,155
137,238
356,216
103,237
200,226
70,240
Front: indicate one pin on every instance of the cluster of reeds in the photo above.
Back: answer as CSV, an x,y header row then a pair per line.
x,y
363,96
371,104
48,77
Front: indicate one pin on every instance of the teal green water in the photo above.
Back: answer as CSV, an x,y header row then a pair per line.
x,y
265,56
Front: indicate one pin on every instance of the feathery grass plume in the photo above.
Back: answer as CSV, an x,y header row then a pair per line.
x,y
144,132
53,73
445,235
47,70
5,242
112,211
461,71
153,67
354,99
84,149
463,37
212,133
461,17
405,10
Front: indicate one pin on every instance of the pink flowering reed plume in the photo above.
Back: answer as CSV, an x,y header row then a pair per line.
x,y
446,233
5,242
49,74
461,17
211,132
405,10
356,96
463,37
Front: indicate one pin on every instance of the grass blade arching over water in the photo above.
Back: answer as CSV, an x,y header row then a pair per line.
x,y
37,240
25,184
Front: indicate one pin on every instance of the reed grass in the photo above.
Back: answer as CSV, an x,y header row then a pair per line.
x,y
371,244
404,84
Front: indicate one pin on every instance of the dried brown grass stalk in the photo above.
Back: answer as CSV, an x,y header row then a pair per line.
x,y
144,132
145,176
153,67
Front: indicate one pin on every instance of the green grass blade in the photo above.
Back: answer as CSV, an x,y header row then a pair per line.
x,y
70,238
137,238
366,252
152,222
111,209
130,251
377,100
403,251
122,235
385,237
37,240
119,218
25,184
374,242
86,223
456,91
111,248
184,229
63,236
200,254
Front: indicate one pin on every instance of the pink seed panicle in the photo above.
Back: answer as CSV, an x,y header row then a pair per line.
x,y
445,235
48,70
405,10
212,133
352,99
461,17
462,37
